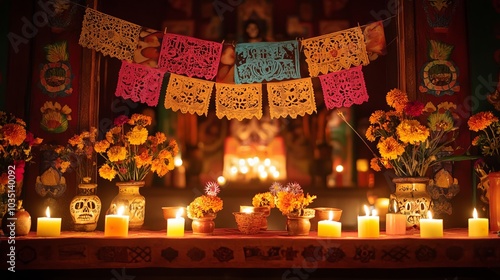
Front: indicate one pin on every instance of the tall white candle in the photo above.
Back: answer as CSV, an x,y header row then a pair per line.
x,y
175,226
47,226
369,226
431,227
478,227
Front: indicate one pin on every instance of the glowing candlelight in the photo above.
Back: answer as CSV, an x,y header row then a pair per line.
x,y
431,227
329,228
116,225
47,226
368,226
175,226
478,227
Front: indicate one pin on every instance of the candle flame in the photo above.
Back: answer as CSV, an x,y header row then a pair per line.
x,y
474,213
395,207
47,212
121,210
247,209
429,215
330,215
374,212
367,211
179,213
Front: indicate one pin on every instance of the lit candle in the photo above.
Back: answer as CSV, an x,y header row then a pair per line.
x,y
329,228
47,226
382,207
116,225
246,209
395,223
478,227
368,226
431,227
175,226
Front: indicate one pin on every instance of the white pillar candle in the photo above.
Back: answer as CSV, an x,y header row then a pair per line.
x,y
47,226
431,227
329,228
175,226
369,226
116,225
478,227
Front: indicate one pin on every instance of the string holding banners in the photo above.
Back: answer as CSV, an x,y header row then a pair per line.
x,y
109,35
189,95
267,61
184,55
139,83
344,88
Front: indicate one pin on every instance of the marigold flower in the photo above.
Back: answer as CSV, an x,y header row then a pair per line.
x,y
107,172
397,99
15,134
412,132
481,120
390,148
117,153
138,135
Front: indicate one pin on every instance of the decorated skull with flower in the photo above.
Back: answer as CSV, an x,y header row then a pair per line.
x,y
130,153
412,135
207,204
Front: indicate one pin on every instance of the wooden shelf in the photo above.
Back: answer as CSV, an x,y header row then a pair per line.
x,y
228,248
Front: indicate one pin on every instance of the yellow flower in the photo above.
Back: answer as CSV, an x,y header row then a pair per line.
x,y
117,153
390,148
101,146
376,116
107,172
412,132
138,135
263,199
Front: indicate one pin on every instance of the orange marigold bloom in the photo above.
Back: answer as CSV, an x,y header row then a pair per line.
x,y
138,135
101,146
370,136
107,172
117,153
143,158
14,133
374,164
397,99
412,132
475,141
481,120
390,148
376,116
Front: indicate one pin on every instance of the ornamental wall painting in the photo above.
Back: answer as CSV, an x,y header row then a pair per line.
x,y
55,117
439,75
55,74
439,14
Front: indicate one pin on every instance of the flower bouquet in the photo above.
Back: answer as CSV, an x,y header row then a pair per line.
x,y
16,144
130,154
291,200
203,209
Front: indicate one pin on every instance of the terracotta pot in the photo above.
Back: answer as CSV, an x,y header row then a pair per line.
x,y
412,199
494,200
20,222
300,224
266,211
204,225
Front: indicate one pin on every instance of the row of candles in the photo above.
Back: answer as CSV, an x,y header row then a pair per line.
x,y
117,225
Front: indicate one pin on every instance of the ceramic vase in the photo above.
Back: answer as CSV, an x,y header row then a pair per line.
x,y
134,203
85,208
412,199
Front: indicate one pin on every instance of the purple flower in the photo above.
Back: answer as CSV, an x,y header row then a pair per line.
x,y
294,188
212,189
275,188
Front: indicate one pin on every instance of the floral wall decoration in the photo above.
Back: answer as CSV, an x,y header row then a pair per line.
x,y
55,117
440,75
55,74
